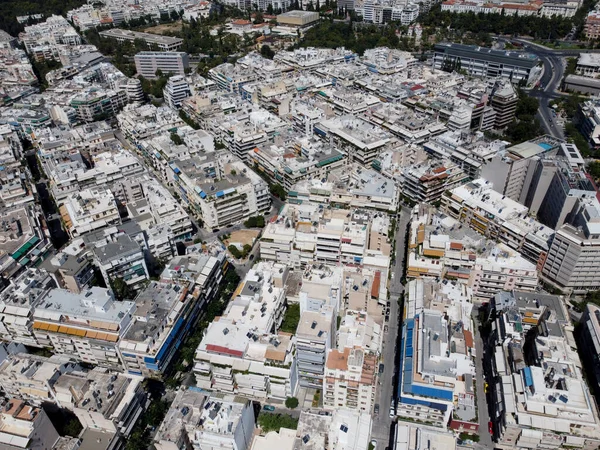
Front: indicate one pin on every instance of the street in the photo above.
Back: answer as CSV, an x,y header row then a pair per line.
x,y
380,430
485,440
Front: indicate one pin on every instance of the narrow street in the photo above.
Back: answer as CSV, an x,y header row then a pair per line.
x,y
485,440
382,422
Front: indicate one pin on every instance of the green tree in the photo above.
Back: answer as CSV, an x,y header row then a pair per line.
x,y
291,402
176,139
235,252
273,422
291,318
267,52
73,428
121,289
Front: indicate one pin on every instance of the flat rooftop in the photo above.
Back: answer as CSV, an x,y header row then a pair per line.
x,y
118,33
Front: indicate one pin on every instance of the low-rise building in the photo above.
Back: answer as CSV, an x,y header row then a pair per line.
x,y
26,427
89,210
164,43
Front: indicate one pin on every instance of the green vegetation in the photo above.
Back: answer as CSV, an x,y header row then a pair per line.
x,y
525,126
291,318
255,222
176,139
537,27
593,169
371,446
122,290
273,422
236,253
574,136
278,191
188,120
72,427
464,436
360,38
10,9
154,87
41,69
316,399
267,52
291,402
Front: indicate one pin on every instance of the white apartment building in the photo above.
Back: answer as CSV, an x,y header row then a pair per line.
x,y
166,312
350,371
203,420
503,269
243,352
86,326
102,400
572,262
17,303
148,63
237,195
121,257
544,398
315,336
175,91
89,210
32,377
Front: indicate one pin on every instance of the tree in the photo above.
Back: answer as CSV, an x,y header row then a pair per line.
x,y
121,289
291,318
594,169
267,52
273,422
176,139
73,428
246,249
235,252
278,191
291,402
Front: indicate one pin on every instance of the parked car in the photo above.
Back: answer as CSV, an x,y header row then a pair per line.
x,y
269,408
385,329
491,428
381,367
376,408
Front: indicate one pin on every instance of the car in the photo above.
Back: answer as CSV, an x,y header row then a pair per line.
x,y
486,387
387,318
388,304
392,411
387,312
381,367
251,257
376,408
491,427
385,329
269,408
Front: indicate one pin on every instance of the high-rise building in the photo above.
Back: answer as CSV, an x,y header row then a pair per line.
x,y
148,63
176,90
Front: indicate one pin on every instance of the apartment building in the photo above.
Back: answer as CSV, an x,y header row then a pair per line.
x,y
243,352
343,428
71,269
93,104
237,195
26,427
544,398
350,186
44,39
22,240
89,210
121,257
163,43
231,77
503,269
315,336
499,218
572,259
206,420
148,63
485,62
288,166
86,326
166,312
350,370
504,101
32,378
17,304
591,27
175,91
426,182
358,139
511,170
102,400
